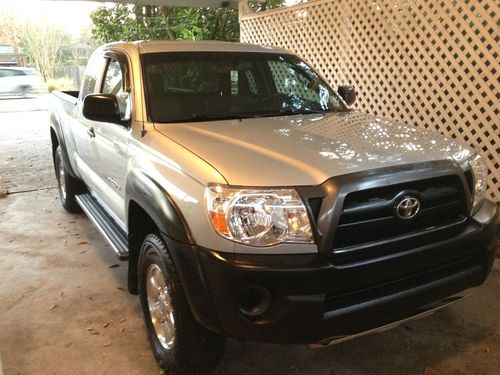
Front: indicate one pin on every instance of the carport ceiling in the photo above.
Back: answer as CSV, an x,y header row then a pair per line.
x,y
179,3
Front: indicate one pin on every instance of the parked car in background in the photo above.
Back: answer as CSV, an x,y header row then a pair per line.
x,y
16,81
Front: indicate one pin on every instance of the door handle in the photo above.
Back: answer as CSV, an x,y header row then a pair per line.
x,y
117,147
91,133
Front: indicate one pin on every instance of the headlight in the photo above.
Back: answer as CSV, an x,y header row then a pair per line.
x,y
479,174
258,217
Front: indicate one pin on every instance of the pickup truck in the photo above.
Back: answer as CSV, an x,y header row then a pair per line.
x,y
251,201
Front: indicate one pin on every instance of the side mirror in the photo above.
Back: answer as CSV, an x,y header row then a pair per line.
x,y
102,107
348,93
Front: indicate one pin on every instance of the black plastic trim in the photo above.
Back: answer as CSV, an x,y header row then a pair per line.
x,y
56,127
157,203
188,266
380,293
335,190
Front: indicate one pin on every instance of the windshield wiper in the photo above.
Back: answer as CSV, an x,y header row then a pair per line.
x,y
302,111
232,116
209,117
292,111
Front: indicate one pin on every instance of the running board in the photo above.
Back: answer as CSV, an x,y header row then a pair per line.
x,y
106,225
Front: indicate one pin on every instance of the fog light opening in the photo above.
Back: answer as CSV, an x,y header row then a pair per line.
x,y
254,301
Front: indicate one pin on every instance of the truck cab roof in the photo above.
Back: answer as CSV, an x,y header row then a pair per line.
x,y
192,46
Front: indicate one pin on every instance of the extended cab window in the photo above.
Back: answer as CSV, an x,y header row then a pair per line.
x,y
203,86
113,84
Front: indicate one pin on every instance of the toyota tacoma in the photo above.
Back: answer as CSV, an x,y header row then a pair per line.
x,y
251,201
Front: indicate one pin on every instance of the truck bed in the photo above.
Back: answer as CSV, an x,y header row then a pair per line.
x,y
67,99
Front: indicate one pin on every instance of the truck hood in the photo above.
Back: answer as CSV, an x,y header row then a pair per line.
x,y
308,149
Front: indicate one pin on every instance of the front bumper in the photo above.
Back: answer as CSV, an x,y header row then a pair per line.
x,y
312,299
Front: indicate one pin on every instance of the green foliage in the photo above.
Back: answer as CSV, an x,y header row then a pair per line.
x,y
113,23
138,22
61,84
260,6
206,23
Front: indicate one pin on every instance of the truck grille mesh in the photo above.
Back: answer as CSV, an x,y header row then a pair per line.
x,y
368,216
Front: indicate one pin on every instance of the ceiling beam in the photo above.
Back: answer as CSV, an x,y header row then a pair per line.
x,y
233,4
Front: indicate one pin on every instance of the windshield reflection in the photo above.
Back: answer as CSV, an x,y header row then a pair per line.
x,y
209,86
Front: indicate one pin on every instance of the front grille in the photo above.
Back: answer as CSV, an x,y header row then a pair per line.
x,y
349,297
368,216
470,181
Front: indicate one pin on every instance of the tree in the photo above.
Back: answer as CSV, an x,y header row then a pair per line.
x,y
207,23
113,24
82,47
138,22
260,6
46,46
10,29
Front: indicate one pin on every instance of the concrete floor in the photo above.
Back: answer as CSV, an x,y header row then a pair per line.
x,y
64,308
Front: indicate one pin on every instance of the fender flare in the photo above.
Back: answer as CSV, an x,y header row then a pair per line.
x,y
158,204
56,127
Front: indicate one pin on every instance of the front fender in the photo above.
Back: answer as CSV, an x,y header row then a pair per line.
x,y
157,203
162,210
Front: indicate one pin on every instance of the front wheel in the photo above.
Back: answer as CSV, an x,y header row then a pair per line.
x,y
179,343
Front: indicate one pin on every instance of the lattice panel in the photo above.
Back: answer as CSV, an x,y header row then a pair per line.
x,y
430,63
285,78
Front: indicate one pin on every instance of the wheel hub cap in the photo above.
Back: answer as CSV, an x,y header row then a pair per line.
x,y
160,306
62,183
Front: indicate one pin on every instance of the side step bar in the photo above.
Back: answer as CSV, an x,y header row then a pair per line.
x,y
106,225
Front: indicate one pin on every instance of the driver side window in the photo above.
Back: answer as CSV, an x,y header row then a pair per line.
x,y
113,84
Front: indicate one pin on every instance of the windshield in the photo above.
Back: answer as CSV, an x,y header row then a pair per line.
x,y
203,86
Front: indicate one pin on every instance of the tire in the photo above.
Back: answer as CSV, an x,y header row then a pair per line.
x,y
67,185
24,91
180,345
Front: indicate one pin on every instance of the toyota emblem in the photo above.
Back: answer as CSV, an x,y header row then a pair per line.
x,y
408,208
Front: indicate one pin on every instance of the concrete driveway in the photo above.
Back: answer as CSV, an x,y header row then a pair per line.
x,y
64,308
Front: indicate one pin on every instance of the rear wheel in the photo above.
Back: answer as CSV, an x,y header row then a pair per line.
x,y
68,185
24,91
179,343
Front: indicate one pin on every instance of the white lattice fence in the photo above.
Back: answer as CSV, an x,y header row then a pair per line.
x,y
430,63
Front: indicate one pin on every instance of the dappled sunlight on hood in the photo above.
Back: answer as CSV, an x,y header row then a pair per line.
x,y
308,149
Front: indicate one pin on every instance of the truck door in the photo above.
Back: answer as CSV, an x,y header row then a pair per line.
x,y
83,131
110,140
